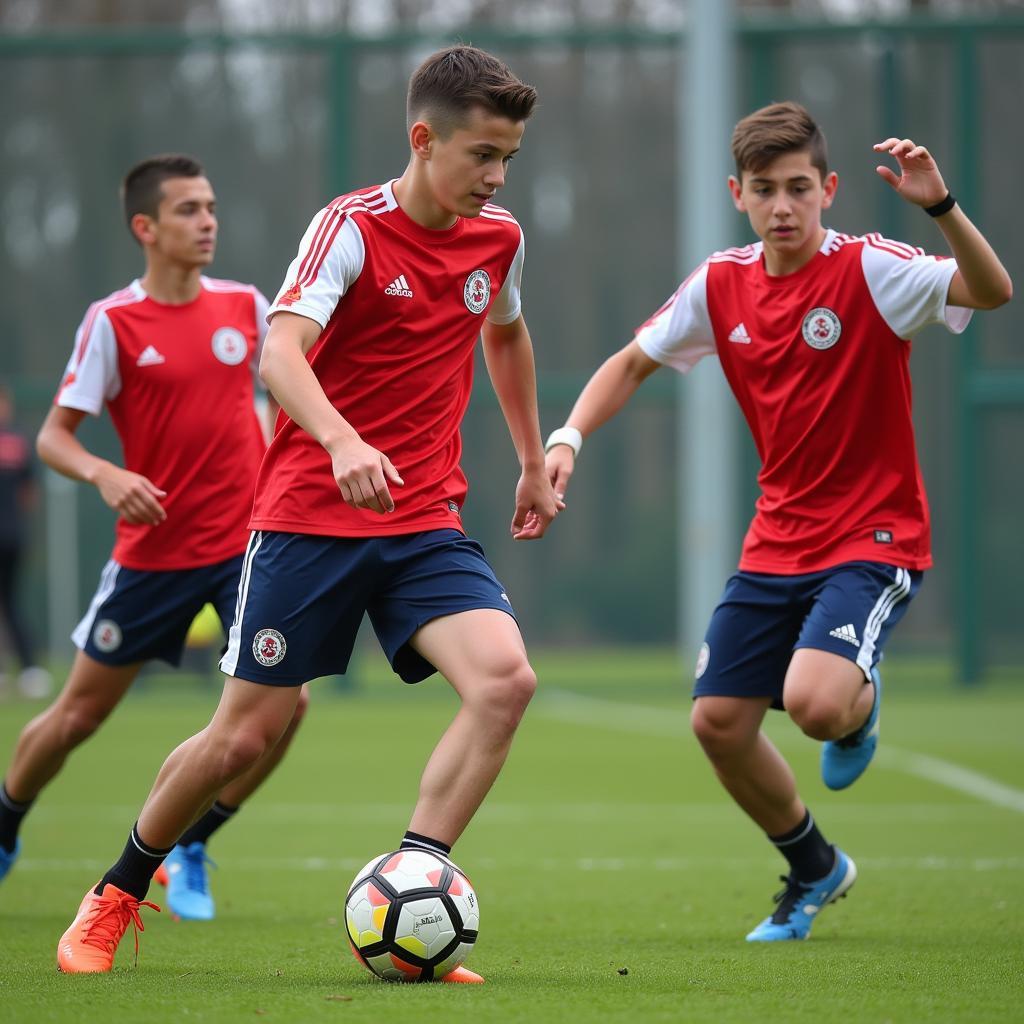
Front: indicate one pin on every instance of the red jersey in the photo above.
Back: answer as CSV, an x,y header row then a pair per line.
x,y
179,384
401,308
819,361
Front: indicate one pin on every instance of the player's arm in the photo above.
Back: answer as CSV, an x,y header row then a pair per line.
x,y
981,280
508,353
131,495
362,473
603,396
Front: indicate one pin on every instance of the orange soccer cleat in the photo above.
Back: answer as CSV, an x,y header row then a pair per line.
x,y
89,944
463,976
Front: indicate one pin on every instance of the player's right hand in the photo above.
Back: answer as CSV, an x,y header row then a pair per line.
x,y
131,495
560,463
362,474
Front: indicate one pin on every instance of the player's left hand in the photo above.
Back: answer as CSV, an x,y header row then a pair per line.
x,y
919,180
536,506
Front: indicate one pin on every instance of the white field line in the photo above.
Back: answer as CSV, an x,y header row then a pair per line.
x,y
607,714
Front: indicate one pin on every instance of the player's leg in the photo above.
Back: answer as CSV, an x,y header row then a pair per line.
x,y
249,720
740,675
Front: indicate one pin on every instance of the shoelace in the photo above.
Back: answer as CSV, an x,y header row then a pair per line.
x,y
110,918
194,869
788,898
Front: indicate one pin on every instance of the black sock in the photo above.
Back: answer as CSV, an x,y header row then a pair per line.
x,y
809,856
414,841
11,813
212,820
134,871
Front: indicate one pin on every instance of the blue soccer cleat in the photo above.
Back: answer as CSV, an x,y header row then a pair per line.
x,y
845,760
7,859
800,902
188,890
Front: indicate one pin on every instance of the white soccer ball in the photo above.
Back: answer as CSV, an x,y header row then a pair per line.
x,y
411,916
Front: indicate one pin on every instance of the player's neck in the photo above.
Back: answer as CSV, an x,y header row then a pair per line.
x,y
413,196
778,261
171,283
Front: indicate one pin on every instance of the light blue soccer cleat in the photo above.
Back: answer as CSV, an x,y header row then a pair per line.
x,y
188,890
845,760
7,859
801,902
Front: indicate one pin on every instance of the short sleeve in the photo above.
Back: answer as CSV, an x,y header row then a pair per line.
x,y
262,306
329,260
680,333
910,288
92,376
508,302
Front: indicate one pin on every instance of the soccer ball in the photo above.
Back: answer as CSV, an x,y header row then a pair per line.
x,y
411,916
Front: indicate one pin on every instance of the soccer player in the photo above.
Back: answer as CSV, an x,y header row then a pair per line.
x,y
173,357
812,328
358,501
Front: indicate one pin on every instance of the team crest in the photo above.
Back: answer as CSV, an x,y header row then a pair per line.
x,y
821,328
702,661
291,296
106,635
229,346
477,292
269,647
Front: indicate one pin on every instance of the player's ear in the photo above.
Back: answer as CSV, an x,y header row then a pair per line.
x,y
736,190
829,186
420,138
143,227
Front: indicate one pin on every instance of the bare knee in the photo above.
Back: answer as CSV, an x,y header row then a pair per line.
x,y
818,715
503,697
233,755
77,721
719,730
300,708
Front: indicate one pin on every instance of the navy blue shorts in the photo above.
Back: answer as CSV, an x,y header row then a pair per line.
x,y
301,599
138,614
849,610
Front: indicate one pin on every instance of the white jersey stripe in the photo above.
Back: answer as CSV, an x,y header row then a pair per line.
x,y
229,662
108,580
125,297
890,597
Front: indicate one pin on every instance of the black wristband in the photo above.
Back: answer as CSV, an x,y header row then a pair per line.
x,y
941,207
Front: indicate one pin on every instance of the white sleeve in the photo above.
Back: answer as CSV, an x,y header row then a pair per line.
x,y
910,288
260,301
329,260
92,376
680,333
508,303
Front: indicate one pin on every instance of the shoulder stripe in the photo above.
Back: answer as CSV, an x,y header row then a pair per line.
x,y
672,298
222,284
125,297
900,249
326,242
493,216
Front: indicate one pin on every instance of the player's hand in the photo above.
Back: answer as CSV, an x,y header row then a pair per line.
x,y
919,180
536,506
362,474
132,496
559,464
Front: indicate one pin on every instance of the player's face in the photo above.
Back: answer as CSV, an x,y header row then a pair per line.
x,y
467,168
184,230
784,202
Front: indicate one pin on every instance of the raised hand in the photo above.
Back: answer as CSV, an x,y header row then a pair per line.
x,y
919,180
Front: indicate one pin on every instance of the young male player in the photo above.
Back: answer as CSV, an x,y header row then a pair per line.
x,y
812,329
370,353
173,358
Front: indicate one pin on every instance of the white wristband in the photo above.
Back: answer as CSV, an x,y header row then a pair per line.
x,y
565,435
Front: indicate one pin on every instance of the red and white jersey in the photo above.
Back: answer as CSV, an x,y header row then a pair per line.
x,y
179,383
819,361
401,308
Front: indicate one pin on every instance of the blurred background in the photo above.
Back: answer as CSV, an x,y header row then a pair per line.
x,y
291,102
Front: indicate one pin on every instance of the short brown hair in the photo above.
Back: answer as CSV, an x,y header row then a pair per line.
x,y
141,189
776,129
449,83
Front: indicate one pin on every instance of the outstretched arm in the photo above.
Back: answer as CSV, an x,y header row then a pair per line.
x,y
981,280
508,353
601,398
361,472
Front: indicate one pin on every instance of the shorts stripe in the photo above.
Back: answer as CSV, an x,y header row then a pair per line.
x,y
891,596
229,662
108,580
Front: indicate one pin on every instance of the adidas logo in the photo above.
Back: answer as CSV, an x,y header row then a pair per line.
x,y
150,357
399,287
739,335
847,633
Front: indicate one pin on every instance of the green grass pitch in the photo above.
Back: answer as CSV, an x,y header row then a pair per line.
x,y
616,880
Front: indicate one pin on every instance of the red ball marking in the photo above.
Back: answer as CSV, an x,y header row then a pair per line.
x,y
376,897
392,863
456,885
413,972
434,877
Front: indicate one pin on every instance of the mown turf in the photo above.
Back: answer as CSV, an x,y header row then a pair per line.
x,y
616,881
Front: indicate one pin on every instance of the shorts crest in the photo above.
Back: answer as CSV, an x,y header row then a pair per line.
x,y
269,647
